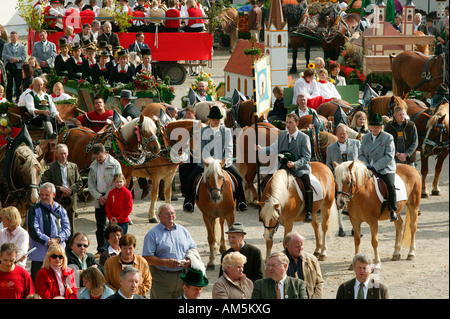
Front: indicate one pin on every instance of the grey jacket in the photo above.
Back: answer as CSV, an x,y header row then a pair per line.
x,y
112,168
334,152
300,148
19,53
382,152
49,54
221,141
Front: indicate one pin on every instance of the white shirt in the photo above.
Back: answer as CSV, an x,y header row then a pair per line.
x,y
29,103
343,147
328,90
292,136
63,174
20,238
281,285
303,113
62,97
366,288
301,86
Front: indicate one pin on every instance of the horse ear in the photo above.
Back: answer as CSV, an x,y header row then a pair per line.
x,y
21,158
141,118
335,164
351,166
40,157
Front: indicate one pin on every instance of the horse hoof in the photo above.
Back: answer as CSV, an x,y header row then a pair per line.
x,y
322,257
425,195
153,220
210,267
316,254
410,257
395,257
435,193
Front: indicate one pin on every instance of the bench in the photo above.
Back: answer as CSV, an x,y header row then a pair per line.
x,y
288,95
349,93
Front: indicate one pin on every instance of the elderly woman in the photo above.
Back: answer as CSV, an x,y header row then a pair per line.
x,y
113,233
378,153
77,256
359,122
55,279
94,283
233,284
12,232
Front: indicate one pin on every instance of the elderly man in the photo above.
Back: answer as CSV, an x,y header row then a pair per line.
x,y
47,224
254,268
302,106
344,149
279,285
202,87
13,55
95,120
362,286
165,248
303,265
67,180
108,36
40,105
100,182
193,283
45,52
129,282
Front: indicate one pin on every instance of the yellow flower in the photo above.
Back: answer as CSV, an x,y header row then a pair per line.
x,y
311,65
332,81
4,122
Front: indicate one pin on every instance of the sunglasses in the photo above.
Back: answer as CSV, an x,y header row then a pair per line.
x,y
82,245
57,256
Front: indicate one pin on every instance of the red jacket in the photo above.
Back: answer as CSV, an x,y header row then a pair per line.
x,y
194,13
119,204
47,285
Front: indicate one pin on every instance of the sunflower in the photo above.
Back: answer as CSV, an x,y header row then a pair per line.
x,y
311,66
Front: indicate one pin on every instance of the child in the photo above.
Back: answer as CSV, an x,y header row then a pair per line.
x,y
119,203
278,112
2,91
58,93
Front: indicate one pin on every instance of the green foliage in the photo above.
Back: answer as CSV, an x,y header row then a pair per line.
x,y
213,13
122,18
32,18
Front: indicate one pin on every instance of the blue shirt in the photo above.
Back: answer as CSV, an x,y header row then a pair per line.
x,y
164,243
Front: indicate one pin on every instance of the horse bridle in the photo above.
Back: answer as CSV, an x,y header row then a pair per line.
x,y
353,184
438,143
210,189
269,228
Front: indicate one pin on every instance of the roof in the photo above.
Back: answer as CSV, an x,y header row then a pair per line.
x,y
239,62
276,16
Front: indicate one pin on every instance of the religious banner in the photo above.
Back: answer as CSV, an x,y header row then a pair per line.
x,y
263,84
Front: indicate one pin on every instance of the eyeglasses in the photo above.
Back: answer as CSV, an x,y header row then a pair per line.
x,y
57,256
82,245
273,265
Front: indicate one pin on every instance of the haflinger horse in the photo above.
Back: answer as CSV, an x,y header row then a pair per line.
x,y
229,24
281,205
216,202
356,193
22,187
413,70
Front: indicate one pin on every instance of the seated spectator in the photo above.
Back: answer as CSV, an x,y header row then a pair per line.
x,y
193,11
172,12
68,34
94,285
334,74
327,89
113,233
122,72
58,93
278,112
12,232
127,258
87,14
303,109
77,66
306,84
34,64
95,120
100,69
129,279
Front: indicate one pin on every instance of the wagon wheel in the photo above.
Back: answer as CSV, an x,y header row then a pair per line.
x,y
176,72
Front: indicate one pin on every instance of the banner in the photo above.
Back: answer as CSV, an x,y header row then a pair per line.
x,y
263,85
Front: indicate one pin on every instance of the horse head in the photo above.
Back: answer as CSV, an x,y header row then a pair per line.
x,y
214,178
437,136
349,179
27,171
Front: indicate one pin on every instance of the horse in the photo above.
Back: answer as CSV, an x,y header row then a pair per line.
x,y
202,110
215,200
436,143
356,193
281,205
229,24
415,71
246,158
21,188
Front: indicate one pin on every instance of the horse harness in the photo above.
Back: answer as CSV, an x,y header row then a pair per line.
x,y
426,74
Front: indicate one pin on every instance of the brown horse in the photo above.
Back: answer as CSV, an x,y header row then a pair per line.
x,y
22,188
245,115
216,201
281,205
229,24
246,156
357,194
328,109
415,71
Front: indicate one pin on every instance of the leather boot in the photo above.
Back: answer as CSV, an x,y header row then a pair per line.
x,y
308,206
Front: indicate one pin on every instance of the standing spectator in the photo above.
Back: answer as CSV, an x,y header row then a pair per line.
x,y
172,12
279,285
2,44
193,282
94,285
12,232
34,64
303,265
362,286
405,135
278,112
139,44
47,225
27,76
165,247
15,281
67,180
62,58
14,55
397,24
113,233
254,20
55,279
233,284
100,182
264,16
129,282
128,258
45,52
119,203
254,265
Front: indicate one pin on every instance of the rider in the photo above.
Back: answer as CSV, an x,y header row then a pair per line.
x,y
296,142
215,137
378,153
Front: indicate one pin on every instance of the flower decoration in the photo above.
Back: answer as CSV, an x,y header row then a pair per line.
x,y
145,81
311,66
206,77
5,128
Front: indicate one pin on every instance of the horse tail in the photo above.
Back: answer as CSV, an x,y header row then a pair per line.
x,y
406,239
333,225
217,230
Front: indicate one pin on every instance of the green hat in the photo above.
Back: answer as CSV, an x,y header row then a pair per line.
x,y
376,120
215,113
195,277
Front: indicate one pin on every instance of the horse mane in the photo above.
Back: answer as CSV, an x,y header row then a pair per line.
x,y
442,110
279,193
213,168
29,155
359,172
148,127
